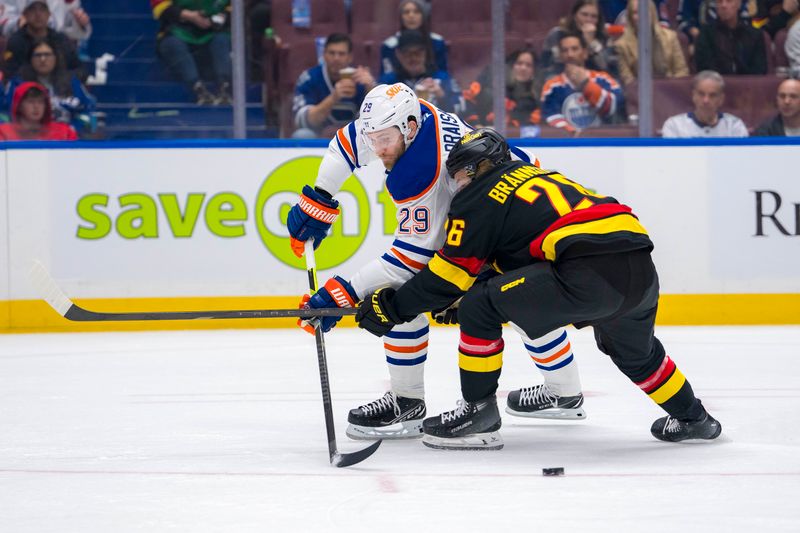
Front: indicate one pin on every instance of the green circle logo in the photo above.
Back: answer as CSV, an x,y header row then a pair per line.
x,y
279,193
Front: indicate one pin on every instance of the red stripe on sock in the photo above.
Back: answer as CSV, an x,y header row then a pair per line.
x,y
658,377
475,346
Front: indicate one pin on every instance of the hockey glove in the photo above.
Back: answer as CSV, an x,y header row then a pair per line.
x,y
336,292
311,218
377,314
448,315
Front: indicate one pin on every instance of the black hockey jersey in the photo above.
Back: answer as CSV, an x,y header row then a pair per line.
x,y
514,216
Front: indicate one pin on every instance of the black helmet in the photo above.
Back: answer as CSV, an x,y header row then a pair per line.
x,y
476,146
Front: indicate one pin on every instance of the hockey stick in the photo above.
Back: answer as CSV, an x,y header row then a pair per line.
x,y
337,459
53,295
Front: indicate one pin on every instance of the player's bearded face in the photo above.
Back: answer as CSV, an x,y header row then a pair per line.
x,y
387,144
462,178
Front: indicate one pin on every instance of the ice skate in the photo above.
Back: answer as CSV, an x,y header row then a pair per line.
x,y
540,402
470,426
671,429
388,417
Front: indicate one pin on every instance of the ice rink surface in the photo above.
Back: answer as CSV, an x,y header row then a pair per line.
x,y
224,431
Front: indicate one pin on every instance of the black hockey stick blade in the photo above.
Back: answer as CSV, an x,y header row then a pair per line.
x,y
341,460
53,295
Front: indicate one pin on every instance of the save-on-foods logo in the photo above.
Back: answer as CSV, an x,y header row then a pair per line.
x,y
226,214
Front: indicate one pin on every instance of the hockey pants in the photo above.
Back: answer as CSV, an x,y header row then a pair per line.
x,y
615,293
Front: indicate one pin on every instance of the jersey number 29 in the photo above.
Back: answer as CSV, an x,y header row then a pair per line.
x,y
416,220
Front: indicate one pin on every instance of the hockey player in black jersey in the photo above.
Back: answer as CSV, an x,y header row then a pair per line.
x,y
566,256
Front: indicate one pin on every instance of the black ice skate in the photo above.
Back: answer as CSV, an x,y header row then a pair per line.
x,y
389,417
470,426
674,430
540,402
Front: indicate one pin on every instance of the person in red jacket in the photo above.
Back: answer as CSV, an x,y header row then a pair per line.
x,y
32,117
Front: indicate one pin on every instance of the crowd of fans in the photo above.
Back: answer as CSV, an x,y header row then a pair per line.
x,y
44,97
45,43
578,79
573,79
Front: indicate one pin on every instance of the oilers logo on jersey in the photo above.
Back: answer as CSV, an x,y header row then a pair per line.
x,y
578,112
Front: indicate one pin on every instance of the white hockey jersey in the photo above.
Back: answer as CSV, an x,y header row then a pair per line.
x,y
419,186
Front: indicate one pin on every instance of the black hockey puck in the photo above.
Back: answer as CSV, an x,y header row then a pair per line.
x,y
557,471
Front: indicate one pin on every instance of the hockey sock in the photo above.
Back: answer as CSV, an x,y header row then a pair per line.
x,y
406,347
480,362
552,355
668,387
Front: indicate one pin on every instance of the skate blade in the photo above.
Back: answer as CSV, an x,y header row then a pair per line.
x,y
403,430
553,413
690,440
478,441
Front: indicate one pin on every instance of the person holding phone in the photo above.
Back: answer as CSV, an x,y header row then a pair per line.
x,y
328,95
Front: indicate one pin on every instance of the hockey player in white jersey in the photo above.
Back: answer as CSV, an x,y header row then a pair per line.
x,y
412,138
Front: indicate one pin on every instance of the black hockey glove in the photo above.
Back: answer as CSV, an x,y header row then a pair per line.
x,y
376,313
448,315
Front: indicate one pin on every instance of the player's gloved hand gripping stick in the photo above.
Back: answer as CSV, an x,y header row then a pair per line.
x,y
377,314
336,292
311,218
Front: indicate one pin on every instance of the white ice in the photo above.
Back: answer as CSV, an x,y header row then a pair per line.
x,y
224,431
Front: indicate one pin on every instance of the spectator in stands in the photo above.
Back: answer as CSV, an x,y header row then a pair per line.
x,y
70,102
522,94
10,19
668,60
329,95
31,119
730,45
787,122
580,97
692,14
194,43
417,70
792,48
259,16
414,15
614,11
37,16
70,18
774,15
708,95
586,19
66,16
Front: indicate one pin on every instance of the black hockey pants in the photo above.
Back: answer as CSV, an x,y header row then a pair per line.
x,y
617,294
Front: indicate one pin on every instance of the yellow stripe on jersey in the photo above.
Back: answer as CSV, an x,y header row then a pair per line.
x,y
624,222
669,388
480,364
451,273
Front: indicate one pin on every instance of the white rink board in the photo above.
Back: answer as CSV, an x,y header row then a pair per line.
x,y
697,202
